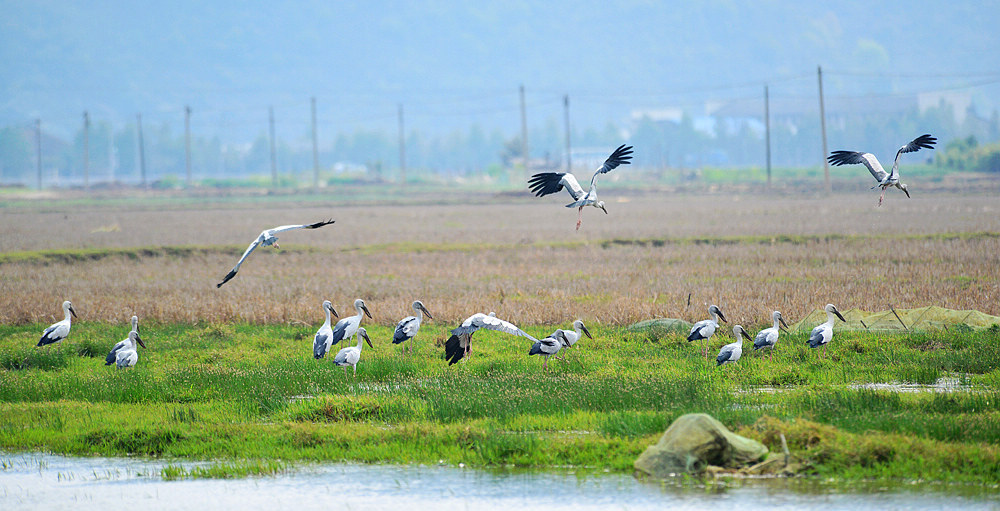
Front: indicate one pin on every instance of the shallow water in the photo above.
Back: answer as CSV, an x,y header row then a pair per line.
x,y
42,481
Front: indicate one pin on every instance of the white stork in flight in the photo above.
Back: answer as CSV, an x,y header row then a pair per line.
x,y
267,237
885,179
545,183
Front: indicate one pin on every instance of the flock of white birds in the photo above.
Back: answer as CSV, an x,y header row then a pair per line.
x,y
458,346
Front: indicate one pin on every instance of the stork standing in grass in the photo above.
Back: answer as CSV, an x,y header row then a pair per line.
x,y
408,327
325,332
885,179
768,337
458,345
59,330
823,333
344,329
704,329
265,238
126,344
545,183
549,346
127,355
732,352
350,355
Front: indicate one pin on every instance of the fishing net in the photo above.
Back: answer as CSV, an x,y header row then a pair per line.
x,y
901,320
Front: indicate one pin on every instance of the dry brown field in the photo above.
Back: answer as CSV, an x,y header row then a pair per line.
x,y
519,257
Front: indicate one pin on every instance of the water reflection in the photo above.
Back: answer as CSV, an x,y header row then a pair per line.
x,y
39,481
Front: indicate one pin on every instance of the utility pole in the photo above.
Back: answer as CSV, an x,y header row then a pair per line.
x,y
274,158
86,150
142,149
767,133
402,148
187,144
569,160
822,124
315,144
38,150
524,132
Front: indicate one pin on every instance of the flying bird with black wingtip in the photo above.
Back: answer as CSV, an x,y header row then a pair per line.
x,y
545,183
267,238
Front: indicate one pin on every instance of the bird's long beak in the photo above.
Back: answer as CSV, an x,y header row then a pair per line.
x,y
906,192
722,317
139,339
586,332
427,312
368,340
334,312
604,210
745,334
782,321
366,311
839,315
73,312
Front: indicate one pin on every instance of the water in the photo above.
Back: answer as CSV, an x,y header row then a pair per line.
x,y
41,481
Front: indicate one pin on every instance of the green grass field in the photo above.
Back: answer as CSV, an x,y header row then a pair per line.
x,y
253,398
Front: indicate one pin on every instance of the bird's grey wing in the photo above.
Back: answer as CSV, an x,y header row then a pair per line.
x,y
816,336
695,333
620,156
852,157
341,356
110,359
761,340
545,183
319,345
925,141
404,330
724,354
303,226
338,332
454,347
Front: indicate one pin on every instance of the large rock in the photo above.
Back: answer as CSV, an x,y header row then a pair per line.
x,y
695,441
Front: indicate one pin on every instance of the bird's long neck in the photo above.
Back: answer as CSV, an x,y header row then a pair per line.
x,y
135,325
361,342
830,318
68,316
715,317
775,323
327,312
420,315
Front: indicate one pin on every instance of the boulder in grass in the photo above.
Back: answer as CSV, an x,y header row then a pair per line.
x,y
693,443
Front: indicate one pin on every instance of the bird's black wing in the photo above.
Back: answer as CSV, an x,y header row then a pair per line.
x,y
545,183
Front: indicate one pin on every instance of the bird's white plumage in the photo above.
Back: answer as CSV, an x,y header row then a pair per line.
x,y
768,337
351,355
408,327
60,329
325,333
266,238
823,333
489,322
732,352
574,335
347,327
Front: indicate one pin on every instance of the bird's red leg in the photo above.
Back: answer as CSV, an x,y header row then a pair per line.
x,y
579,217
880,197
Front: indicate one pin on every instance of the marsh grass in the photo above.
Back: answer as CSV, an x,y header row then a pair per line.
x,y
244,391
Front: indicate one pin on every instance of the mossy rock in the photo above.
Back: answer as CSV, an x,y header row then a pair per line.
x,y
693,443
661,327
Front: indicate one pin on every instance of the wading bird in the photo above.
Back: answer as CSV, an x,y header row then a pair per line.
x,y
545,183
573,335
732,352
127,355
549,346
59,330
704,329
350,355
266,238
768,337
325,333
408,327
457,346
824,332
885,179
126,344
344,329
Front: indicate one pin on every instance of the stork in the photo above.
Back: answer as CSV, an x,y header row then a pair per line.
x,y
408,327
457,346
545,183
325,333
768,337
350,355
60,329
704,329
822,334
732,352
549,346
344,329
126,344
266,238
127,355
885,179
